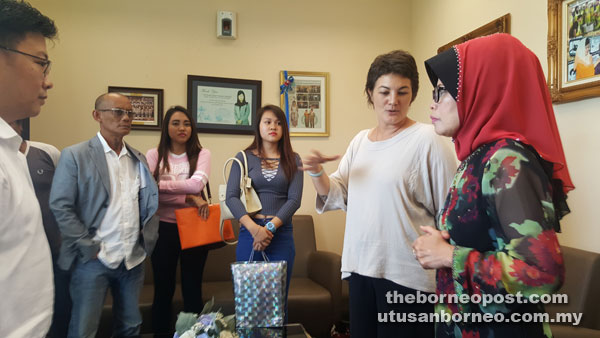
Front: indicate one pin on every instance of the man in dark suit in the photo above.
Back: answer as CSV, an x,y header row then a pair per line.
x,y
104,198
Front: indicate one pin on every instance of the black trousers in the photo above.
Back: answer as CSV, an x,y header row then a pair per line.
x,y
62,303
370,310
164,265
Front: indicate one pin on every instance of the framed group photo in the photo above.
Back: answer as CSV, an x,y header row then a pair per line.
x,y
147,104
224,105
573,49
306,102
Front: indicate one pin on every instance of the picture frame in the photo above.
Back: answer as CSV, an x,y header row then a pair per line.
x,y
305,101
499,25
224,105
147,104
573,67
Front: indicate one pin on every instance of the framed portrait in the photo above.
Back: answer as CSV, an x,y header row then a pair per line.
x,y
573,49
305,101
500,25
222,105
147,104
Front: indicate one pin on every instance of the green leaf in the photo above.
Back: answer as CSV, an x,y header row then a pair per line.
x,y
185,321
229,322
208,306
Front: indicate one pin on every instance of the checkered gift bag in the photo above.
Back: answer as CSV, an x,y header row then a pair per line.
x,y
259,289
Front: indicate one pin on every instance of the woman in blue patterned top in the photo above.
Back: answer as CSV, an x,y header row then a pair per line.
x,y
273,168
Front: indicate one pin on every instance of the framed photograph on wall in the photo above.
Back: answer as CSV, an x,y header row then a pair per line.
x,y
223,105
500,25
147,104
305,101
573,49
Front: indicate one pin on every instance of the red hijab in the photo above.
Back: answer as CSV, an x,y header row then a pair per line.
x,y
501,92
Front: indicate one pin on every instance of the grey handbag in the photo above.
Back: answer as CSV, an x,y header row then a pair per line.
x,y
259,292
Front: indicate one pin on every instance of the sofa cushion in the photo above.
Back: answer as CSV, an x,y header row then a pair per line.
x,y
560,331
222,293
582,278
308,300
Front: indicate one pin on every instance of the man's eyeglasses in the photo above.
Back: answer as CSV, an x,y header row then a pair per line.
x,y
45,63
438,91
118,112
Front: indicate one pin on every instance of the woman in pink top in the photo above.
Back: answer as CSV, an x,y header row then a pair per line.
x,y
181,176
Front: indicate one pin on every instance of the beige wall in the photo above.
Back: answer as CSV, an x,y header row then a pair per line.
x,y
151,44
441,21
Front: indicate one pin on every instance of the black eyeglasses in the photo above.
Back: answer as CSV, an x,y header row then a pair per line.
x,y
438,91
45,63
118,112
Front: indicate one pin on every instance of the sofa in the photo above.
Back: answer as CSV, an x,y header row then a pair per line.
x,y
582,285
314,296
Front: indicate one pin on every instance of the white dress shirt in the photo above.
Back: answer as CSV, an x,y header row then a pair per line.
x,y
120,228
26,280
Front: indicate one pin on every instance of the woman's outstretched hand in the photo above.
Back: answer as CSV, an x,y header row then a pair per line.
x,y
432,249
313,161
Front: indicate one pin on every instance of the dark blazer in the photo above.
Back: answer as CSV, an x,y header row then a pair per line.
x,y
80,195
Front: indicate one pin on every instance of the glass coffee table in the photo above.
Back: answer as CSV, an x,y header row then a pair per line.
x,y
287,331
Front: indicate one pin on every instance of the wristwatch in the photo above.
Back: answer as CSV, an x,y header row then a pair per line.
x,y
271,227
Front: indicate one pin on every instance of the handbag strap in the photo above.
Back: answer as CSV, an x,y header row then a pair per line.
x,y
263,254
226,178
247,183
205,193
221,227
245,163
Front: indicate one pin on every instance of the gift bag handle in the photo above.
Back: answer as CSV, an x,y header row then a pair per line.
x,y
263,254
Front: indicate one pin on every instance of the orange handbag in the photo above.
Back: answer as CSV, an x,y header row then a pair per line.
x,y
195,231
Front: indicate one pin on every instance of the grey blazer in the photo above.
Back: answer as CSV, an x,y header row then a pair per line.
x,y
80,195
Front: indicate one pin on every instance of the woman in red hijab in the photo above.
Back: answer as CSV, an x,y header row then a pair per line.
x,y
496,240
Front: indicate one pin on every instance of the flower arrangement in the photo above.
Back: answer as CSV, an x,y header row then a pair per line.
x,y
208,324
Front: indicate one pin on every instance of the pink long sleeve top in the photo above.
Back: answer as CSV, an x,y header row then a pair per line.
x,y
175,184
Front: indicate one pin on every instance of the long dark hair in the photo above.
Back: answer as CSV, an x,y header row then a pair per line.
x,y
241,103
287,156
192,146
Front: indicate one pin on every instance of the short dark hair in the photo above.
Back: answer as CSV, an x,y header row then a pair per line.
x,y
17,18
395,62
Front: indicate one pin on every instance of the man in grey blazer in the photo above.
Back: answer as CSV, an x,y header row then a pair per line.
x,y
104,198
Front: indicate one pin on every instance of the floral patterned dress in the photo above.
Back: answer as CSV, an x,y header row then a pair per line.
x,y
500,217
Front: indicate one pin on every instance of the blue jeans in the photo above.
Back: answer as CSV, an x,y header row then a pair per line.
x,y
281,249
90,282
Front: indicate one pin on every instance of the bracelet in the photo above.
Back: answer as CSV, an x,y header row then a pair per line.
x,y
316,174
